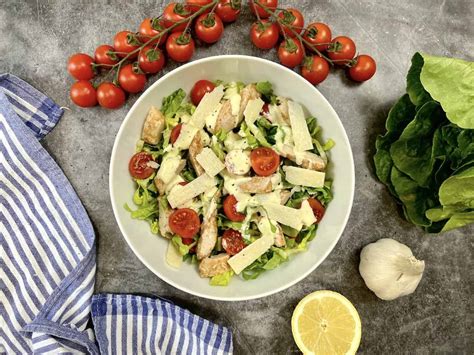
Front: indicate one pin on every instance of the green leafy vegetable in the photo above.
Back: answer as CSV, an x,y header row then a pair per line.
x,y
171,103
183,249
264,88
221,279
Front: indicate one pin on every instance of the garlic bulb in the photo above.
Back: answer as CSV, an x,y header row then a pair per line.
x,y
389,269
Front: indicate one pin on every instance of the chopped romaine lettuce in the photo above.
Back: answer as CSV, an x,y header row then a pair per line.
x,y
221,279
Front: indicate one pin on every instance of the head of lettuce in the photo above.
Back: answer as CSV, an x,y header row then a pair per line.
x,y
426,157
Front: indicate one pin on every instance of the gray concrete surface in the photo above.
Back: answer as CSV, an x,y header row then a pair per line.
x,y
37,38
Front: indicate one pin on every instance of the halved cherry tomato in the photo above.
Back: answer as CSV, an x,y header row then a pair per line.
x,y
189,241
290,52
175,132
130,79
151,27
265,108
232,241
151,60
80,66
293,21
138,165
271,4
317,33
173,13
110,95
195,5
209,28
264,34
230,211
105,54
83,94
315,69
228,10
126,42
184,222
342,49
200,88
180,46
264,161
317,207
363,69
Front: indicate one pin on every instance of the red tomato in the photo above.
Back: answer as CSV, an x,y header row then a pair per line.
x,y
195,5
126,42
341,50
265,108
83,94
264,161
319,35
363,69
271,4
315,69
138,166
151,27
317,207
130,80
293,21
174,13
228,10
230,209
187,241
200,88
183,183
151,60
232,241
264,34
105,54
80,66
290,53
175,132
209,28
180,46
110,95
184,222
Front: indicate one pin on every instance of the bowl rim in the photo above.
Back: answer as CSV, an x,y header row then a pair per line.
x,y
185,288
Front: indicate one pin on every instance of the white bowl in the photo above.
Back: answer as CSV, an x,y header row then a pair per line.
x,y
151,249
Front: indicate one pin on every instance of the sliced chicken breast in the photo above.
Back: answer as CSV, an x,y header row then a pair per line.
x,y
153,126
214,265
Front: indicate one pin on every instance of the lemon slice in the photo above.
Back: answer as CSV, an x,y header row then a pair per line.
x,y
325,322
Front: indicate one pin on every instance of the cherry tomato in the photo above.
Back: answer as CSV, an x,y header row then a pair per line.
x,y
230,211
316,34
228,10
232,241
264,161
265,107
173,13
183,183
271,4
363,69
187,241
80,66
110,95
184,222
126,42
151,60
317,207
290,52
175,132
180,46
315,69
209,28
341,50
138,166
105,54
264,34
195,5
130,79
293,21
83,94
151,27
200,88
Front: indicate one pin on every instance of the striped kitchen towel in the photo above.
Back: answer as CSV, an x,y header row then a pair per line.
x,y
48,257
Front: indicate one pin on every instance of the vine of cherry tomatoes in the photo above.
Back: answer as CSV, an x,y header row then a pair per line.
x,y
123,66
312,47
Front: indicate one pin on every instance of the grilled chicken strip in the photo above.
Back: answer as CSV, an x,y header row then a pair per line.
x,y
307,160
153,126
257,185
279,237
225,120
214,265
248,93
164,211
208,238
195,148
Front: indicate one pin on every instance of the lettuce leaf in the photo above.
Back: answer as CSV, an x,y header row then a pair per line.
x,y
221,279
171,103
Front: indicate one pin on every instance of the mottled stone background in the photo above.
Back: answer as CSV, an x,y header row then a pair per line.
x,y
36,39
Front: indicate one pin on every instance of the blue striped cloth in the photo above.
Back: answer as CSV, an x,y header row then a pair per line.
x,y
48,257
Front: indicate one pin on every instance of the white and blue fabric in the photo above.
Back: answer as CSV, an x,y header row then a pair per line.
x,y
48,257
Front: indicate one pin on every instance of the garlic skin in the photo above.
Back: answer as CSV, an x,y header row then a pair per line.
x,y
389,269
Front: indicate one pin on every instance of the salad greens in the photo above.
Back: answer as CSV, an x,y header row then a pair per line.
x,y
426,157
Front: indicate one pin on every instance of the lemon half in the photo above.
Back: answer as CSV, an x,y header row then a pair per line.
x,y
325,322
